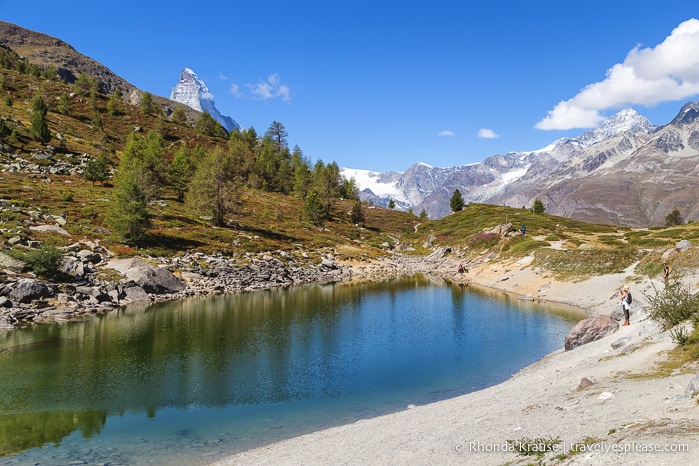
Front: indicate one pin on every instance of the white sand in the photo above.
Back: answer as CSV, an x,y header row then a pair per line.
x,y
621,417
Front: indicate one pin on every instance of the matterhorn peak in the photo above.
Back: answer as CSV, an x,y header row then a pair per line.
x,y
192,91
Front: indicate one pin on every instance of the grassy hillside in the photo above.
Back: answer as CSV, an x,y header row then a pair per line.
x,y
262,221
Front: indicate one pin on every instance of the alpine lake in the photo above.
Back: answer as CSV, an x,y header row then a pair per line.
x,y
190,381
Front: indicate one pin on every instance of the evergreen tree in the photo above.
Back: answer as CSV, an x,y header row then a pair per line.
x,y
148,105
97,120
113,104
313,208
357,213
146,156
179,116
39,124
391,204
277,133
207,126
327,182
63,104
674,218
349,189
86,85
181,171
302,173
456,203
538,207
129,216
423,215
96,169
213,189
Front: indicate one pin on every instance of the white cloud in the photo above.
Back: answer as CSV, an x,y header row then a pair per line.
x,y
446,132
648,76
486,133
272,88
235,90
222,77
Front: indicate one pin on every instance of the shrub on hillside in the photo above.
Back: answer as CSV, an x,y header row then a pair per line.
x,y
672,305
483,240
44,261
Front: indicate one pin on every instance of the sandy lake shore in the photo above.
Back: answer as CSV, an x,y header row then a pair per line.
x,y
619,418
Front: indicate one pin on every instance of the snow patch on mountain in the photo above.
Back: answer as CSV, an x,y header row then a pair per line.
x,y
192,91
376,183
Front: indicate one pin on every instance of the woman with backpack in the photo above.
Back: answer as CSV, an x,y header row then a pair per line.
x,y
625,301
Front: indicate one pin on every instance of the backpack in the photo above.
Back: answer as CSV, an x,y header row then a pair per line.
x,y
629,298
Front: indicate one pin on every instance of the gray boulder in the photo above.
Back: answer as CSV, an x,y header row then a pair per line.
x,y
156,280
27,290
590,329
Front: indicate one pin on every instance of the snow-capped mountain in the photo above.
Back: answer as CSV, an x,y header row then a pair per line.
x,y
625,172
192,91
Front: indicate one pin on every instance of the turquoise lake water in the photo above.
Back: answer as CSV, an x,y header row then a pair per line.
x,y
190,381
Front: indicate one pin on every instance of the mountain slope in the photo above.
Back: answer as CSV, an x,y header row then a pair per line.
x,y
44,50
624,172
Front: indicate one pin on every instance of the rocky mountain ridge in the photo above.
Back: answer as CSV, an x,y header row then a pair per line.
x,y
626,171
44,50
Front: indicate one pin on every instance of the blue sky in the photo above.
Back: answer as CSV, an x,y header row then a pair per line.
x,y
381,85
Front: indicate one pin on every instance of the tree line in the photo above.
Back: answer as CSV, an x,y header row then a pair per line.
x,y
209,182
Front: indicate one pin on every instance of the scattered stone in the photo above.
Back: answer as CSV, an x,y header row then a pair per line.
x,y
693,387
585,382
621,342
605,396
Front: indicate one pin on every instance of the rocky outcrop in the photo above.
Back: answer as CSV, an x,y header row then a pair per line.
x,y
80,291
157,280
590,329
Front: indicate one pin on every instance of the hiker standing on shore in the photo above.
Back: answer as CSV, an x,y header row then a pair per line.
x,y
667,270
625,301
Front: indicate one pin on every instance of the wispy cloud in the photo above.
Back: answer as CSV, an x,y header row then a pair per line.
x,y
445,133
235,90
648,76
222,77
272,88
486,133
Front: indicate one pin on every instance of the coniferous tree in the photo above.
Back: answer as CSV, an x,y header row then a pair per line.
x,y
148,105
181,172
357,213
39,125
63,104
179,116
207,126
391,204
456,203
674,218
313,208
212,191
423,215
277,133
96,169
129,215
538,207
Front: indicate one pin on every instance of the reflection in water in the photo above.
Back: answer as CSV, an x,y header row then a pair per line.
x,y
259,366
